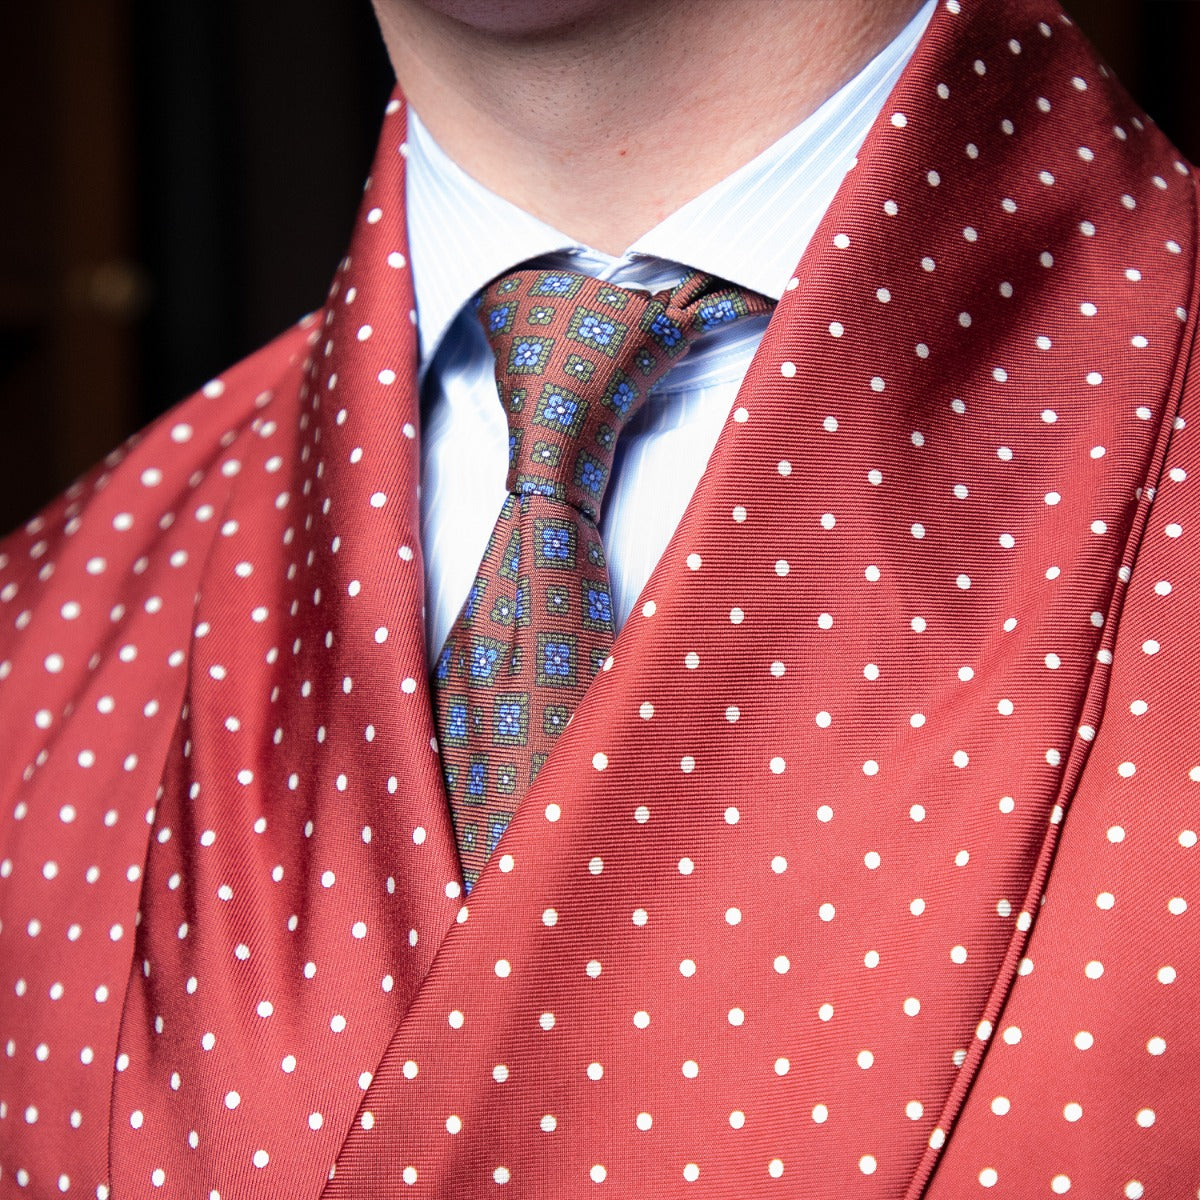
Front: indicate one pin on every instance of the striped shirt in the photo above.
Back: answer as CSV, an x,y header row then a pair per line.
x,y
751,229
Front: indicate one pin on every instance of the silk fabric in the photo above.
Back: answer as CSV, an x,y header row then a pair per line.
x,y
867,868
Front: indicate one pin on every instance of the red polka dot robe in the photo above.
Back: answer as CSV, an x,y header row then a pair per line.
x,y
868,865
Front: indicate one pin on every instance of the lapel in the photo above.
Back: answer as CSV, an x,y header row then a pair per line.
x,y
765,903
767,898
302,837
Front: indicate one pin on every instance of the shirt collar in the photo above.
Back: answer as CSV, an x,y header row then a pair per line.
x,y
751,228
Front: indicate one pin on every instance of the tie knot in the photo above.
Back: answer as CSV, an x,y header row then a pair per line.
x,y
576,358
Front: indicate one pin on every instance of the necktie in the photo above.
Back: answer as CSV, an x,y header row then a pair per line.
x,y
575,360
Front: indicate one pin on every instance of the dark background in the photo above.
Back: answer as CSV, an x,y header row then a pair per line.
x,y
180,178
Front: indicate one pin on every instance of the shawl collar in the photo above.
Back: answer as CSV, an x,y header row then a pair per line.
x,y
785,861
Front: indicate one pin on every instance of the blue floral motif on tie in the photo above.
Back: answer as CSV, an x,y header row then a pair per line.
x,y
483,660
593,329
442,670
477,780
621,397
559,409
555,285
591,475
529,356
712,315
599,604
668,333
556,543
557,659
495,833
508,720
472,601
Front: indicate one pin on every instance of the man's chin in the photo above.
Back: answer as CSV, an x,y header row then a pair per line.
x,y
526,18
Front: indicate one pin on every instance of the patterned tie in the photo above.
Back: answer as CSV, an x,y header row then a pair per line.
x,y
575,360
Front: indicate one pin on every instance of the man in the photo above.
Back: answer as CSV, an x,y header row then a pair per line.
x,y
866,865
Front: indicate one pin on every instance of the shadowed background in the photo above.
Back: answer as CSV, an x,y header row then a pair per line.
x,y
180,178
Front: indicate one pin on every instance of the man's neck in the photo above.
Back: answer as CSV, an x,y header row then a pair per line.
x,y
605,123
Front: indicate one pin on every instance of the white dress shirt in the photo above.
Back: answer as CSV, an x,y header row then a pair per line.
x,y
751,229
